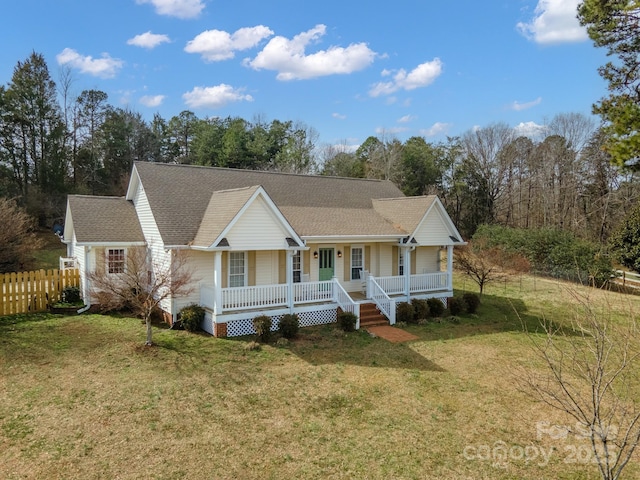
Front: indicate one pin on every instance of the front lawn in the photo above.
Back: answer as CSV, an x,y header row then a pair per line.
x,y
82,398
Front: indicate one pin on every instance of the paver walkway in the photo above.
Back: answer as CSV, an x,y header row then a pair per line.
x,y
392,334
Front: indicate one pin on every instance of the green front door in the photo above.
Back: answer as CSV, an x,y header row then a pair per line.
x,y
325,264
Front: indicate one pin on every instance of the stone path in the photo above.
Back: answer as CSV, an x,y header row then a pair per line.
x,y
392,334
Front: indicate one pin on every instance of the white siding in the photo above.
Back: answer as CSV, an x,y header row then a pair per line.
x,y
433,230
386,261
267,268
200,264
257,229
426,259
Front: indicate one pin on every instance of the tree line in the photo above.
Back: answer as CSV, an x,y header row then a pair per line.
x,y
53,143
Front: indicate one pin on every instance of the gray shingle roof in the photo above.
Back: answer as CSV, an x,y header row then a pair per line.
x,y
104,219
180,195
405,213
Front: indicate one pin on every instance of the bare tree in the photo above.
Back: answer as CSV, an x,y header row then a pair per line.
x,y
592,376
487,264
18,239
143,284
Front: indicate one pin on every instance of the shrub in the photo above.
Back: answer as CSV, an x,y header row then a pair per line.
x,y
262,326
251,346
421,309
405,312
347,321
456,305
436,307
192,317
71,295
472,301
289,325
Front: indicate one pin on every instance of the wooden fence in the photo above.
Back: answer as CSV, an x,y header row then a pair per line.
x,y
24,292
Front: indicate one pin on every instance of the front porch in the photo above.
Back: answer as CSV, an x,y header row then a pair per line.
x,y
315,302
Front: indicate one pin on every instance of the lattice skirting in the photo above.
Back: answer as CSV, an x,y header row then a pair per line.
x,y
236,328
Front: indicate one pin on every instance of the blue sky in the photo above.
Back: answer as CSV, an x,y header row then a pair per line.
x,y
348,69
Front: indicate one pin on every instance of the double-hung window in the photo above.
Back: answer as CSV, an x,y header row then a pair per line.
x,y
297,268
357,262
400,261
115,260
237,269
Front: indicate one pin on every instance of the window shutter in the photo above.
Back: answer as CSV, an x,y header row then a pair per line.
x,y
346,256
394,261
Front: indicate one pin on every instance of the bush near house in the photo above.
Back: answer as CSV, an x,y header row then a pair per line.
x,y
289,325
262,325
456,305
347,321
192,317
472,301
421,309
405,312
436,307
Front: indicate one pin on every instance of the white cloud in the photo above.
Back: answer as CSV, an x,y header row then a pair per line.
x,y
152,100
390,131
215,97
436,129
555,21
216,45
289,59
176,8
105,67
517,106
421,76
407,119
148,40
339,116
530,129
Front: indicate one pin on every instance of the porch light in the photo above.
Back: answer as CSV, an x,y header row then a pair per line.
x,y
315,254
339,254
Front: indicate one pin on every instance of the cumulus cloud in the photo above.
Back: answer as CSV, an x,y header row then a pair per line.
x,y
421,76
517,106
216,45
176,8
438,128
288,57
104,67
339,116
554,21
152,100
148,40
390,131
407,119
530,129
215,97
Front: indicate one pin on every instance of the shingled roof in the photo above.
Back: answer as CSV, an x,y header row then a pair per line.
x,y
180,195
104,219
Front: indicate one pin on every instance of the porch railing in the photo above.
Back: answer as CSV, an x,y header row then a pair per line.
x,y
346,303
391,285
428,281
385,304
313,292
245,298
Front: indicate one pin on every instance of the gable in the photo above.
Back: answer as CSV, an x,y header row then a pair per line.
x,y
257,228
436,228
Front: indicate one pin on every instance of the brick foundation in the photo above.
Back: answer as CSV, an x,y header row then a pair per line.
x,y
220,330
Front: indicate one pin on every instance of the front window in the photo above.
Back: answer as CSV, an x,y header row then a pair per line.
x,y
357,262
237,269
115,260
400,262
297,268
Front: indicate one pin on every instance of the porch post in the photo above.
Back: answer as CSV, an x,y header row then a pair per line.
x,y
450,267
407,273
217,282
290,280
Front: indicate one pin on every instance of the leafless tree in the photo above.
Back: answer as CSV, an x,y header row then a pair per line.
x,y
144,284
592,376
487,264
18,239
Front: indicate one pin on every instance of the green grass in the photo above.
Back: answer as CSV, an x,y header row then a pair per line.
x,y
48,257
82,398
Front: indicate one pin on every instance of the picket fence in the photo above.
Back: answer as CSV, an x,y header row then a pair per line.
x,y
23,292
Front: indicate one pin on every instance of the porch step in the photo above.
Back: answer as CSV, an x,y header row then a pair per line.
x,y
370,315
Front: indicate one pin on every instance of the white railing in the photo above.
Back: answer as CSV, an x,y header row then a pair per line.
x,y
345,302
392,285
385,304
428,281
313,292
245,298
